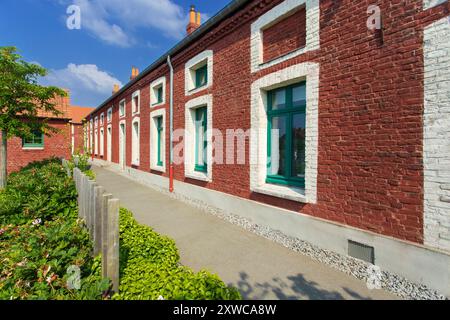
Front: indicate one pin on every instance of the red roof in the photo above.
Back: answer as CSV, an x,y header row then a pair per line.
x,y
78,113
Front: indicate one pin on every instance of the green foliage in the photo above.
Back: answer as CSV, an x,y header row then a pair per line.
x,y
40,190
21,94
150,268
40,237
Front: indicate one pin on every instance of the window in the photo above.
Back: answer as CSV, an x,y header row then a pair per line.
x,y
198,151
201,76
157,140
135,143
122,108
201,142
135,102
109,115
35,141
102,119
159,130
286,115
157,92
96,142
102,142
96,122
199,72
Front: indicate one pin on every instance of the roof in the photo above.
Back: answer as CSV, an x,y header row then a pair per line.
x,y
231,8
78,113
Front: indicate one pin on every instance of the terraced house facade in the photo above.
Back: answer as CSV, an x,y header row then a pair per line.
x,y
344,107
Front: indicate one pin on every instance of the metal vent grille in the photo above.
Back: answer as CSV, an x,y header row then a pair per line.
x,y
361,251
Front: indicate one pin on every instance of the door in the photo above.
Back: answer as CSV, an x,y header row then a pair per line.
x,y
108,142
122,146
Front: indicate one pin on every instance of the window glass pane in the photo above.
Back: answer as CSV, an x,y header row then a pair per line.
x,y
278,146
298,145
159,95
279,99
201,76
200,125
299,96
160,141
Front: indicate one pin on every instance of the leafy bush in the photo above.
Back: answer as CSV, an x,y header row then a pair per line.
x,y
41,190
35,258
150,268
40,237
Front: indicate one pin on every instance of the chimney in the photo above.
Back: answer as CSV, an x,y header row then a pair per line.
x,y
194,21
115,89
134,73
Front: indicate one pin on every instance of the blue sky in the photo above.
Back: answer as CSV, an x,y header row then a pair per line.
x,y
114,36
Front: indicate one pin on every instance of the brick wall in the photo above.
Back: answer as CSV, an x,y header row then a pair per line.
x,y
371,104
285,36
57,145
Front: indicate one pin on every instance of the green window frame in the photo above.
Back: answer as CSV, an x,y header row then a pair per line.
x,y
159,95
159,129
35,141
200,131
201,76
290,145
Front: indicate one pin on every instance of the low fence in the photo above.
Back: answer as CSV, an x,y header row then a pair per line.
x,y
100,211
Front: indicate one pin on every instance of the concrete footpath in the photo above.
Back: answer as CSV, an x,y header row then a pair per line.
x,y
259,268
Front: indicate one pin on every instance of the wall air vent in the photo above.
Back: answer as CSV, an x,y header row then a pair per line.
x,y
361,251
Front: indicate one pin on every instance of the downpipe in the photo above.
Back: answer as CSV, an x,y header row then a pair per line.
x,y
169,62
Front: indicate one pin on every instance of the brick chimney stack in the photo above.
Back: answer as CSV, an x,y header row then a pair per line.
x,y
134,73
194,21
115,89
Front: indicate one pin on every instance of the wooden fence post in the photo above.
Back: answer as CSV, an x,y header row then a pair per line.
x,y
91,212
113,243
105,199
97,219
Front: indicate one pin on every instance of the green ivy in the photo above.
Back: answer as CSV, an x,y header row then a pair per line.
x,y
150,268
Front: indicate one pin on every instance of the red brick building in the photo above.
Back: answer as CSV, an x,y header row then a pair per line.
x,y
361,112
23,151
77,115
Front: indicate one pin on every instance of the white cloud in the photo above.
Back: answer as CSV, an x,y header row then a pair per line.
x,y
114,21
87,83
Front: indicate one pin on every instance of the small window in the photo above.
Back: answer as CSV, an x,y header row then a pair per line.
x,y
109,115
102,119
286,135
96,122
159,129
200,139
122,108
35,141
201,76
135,102
159,95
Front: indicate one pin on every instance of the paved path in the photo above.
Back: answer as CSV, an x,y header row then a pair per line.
x,y
260,268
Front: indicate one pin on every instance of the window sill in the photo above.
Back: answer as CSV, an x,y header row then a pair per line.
x,y
284,192
158,168
159,104
199,89
202,176
32,148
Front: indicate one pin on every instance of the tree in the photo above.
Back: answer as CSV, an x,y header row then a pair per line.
x,y
22,100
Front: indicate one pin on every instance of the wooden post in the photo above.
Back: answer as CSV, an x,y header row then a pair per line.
x,y
105,199
97,219
91,212
84,198
113,243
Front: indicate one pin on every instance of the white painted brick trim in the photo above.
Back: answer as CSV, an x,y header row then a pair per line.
x,y
428,4
133,104
189,72
276,14
436,144
135,142
189,145
154,140
258,145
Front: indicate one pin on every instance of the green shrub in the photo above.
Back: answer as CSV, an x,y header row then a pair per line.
x,y
150,268
41,190
35,258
